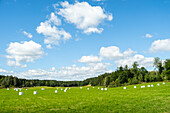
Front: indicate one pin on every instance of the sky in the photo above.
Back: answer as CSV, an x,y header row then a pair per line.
x,y
79,39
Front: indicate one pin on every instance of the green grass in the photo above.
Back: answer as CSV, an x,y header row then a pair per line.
x,y
147,100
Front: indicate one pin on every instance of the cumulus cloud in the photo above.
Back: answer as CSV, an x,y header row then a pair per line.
x,y
67,73
89,59
93,30
23,52
27,34
54,19
113,52
148,35
160,45
84,16
140,59
51,32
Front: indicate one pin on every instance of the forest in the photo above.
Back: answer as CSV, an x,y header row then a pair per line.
x,y
122,76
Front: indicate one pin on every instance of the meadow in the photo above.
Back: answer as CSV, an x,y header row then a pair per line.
x,y
140,100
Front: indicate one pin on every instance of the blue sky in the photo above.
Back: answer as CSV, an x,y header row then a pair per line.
x,y
75,40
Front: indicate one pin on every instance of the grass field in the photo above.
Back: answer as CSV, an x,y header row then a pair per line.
x,y
140,100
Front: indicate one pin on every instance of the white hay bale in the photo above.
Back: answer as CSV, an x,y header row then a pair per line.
x,y
93,87
124,87
142,86
56,91
87,88
149,85
152,85
61,89
35,92
98,88
69,88
102,89
26,89
163,83
65,90
57,88
16,89
134,86
7,88
105,89
42,88
158,84
20,93
80,87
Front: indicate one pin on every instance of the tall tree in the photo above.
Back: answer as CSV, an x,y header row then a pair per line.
x,y
135,69
158,65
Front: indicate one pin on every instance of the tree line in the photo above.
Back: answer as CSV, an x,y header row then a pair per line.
x,y
122,76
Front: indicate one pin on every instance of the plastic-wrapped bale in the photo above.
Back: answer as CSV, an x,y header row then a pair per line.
x,y
16,89
158,84
142,86
65,90
149,85
102,89
56,91
124,87
105,89
80,87
26,89
163,83
35,92
61,88
152,85
134,86
98,88
93,87
7,88
42,88
20,93
87,88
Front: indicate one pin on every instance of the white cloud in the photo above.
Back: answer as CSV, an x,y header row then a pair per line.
x,y
93,30
160,45
53,69
128,53
48,46
84,16
15,63
51,32
140,59
6,72
89,59
67,73
110,17
98,0
148,35
113,52
23,52
54,19
27,34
